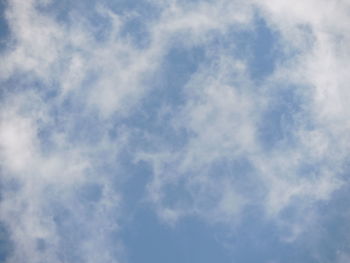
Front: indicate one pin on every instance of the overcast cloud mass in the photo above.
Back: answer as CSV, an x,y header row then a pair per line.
x,y
168,131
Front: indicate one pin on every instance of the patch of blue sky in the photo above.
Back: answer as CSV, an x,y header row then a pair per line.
x,y
326,237
332,225
259,240
282,117
136,31
85,128
266,50
66,11
149,240
192,240
241,173
136,176
154,114
6,245
259,47
177,195
184,191
90,192
8,185
139,15
4,28
21,82
136,15
134,185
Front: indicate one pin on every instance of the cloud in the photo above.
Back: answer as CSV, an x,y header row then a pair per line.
x,y
225,110
73,91
43,194
57,202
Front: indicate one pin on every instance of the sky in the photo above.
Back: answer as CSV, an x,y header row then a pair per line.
x,y
167,131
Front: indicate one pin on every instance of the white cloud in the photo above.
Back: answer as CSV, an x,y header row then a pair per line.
x,y
221,117
44,181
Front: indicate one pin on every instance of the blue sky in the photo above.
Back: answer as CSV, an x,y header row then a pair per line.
x,y
146,131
